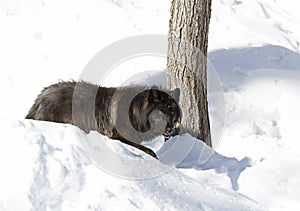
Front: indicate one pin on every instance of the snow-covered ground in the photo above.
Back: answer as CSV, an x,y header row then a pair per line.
x,y
253,46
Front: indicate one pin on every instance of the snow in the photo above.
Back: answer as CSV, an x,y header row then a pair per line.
x,y
253,46
57,174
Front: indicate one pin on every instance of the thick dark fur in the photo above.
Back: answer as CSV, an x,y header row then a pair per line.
x,y
92,107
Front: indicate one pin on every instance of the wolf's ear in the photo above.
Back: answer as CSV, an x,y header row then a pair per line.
x,y
175,94
155,87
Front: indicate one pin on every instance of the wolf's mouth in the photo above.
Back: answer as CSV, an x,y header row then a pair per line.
x,y
166,134
169,132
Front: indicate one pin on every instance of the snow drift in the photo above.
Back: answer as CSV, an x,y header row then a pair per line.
x,y
46,168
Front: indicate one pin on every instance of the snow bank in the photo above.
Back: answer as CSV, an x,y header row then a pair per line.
x,y
45,168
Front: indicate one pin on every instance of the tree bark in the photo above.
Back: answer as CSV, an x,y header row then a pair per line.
x,y
187,61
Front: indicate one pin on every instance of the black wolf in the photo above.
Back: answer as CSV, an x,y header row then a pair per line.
x,y
130,114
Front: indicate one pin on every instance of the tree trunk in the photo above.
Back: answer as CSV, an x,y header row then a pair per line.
x,y
186,66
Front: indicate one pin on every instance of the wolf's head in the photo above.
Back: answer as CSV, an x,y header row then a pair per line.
x,y
154,99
